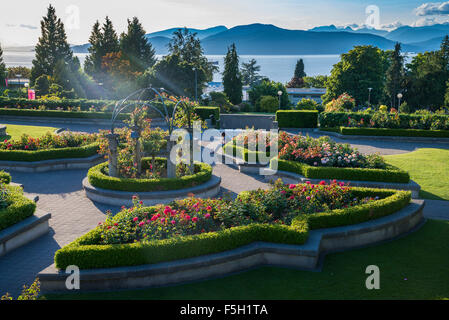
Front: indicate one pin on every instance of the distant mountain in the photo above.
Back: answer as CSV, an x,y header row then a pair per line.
x,y
270,40
201,33
80,48
333,28
160,44
429,45
408,34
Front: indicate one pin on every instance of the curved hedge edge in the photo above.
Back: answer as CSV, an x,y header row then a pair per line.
x,y
393,175
242,153
108,256
100,180
50,154
87,255
418,133
19,209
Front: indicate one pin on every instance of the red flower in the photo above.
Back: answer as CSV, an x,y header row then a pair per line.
x,y
194,219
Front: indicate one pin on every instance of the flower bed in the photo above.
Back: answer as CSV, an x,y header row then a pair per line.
x,y
49,147
98,177
194,227
14,206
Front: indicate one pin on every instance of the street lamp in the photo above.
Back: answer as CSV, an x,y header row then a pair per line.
x,y
399,97
196,84
280,94
369,96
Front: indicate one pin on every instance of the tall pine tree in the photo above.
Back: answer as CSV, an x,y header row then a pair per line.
x,y
136,48
395,75
52,46
232,79
299,69
250,72
2,69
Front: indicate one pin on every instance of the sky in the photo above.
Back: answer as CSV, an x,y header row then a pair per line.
x,y
20,20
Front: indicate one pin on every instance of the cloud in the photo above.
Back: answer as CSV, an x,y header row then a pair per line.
x,y
423,22
433,8
27,26
392,25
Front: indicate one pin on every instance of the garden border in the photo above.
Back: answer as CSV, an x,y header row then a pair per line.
x,y
118,198
306,257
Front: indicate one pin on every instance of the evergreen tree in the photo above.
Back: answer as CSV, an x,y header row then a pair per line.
x,y
2,69
52,46
395,75
232,79
136,48
103,41
299,69
444,49
250,72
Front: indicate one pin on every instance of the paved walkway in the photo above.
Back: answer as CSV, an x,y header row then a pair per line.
x,y
73,214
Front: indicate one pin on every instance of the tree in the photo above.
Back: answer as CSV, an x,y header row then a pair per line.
x,y
268,88
42,85
232,79
2,69
102,42
299,69
250,72
315,82
136,48
361,68
395,76
23,71
52,46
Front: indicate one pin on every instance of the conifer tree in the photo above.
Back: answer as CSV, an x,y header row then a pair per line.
x,y
2,69
232,79
52,46
395,75
299,69
136,48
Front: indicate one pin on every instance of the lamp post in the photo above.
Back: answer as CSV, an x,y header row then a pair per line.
x,y
196,84
369,96
280,95
399,97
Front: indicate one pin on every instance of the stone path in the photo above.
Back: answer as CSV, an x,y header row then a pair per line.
x,y
73,214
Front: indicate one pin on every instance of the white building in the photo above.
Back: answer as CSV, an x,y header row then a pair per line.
x,y
297,94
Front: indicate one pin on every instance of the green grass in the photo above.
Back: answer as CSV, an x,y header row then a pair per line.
x,y
408,270
15,131
429,168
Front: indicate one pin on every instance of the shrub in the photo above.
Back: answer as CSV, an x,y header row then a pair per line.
x,y
5,177
297,118
343,103
395,132
269,104
220,100
205,112
18,206
98,178
307,104
383,108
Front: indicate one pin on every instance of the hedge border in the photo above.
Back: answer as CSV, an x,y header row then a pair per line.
x,y
49,154
91,256
60,114
242,153
205,112
394,132
392,174
98,179
19,209
297,118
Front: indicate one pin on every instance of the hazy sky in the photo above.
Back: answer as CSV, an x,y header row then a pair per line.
x,y
19,20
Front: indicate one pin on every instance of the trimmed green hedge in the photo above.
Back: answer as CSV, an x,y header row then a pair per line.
x,y
205,112
19,208
233,150
84,104
5,177
60,114
395,132
391,174
49,154
98,178
297,118
86,254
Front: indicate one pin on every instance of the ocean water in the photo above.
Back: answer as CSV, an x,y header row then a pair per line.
x,y
276,67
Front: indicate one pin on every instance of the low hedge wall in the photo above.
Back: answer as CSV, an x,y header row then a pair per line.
x,y
395,132
60,114
205,112
297,118
391,174
5,177
243,153
19,208
84,104
49,154
86,254
98,178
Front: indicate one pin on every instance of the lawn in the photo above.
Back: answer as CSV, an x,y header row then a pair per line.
x,y
15,131
408,270
429,168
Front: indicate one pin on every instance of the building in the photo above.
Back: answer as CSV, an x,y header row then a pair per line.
x,y
17,83
297,94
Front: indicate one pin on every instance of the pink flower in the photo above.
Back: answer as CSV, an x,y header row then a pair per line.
x,y
187,217
163,220
292,186
283,192
323,183
194,219
209,208
308,198
207,216
308,182
135,219
141,223
292,197
167,210
134,197
173,222
140,202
